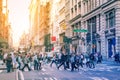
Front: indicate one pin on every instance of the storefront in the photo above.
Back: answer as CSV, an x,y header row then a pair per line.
x,y
111,42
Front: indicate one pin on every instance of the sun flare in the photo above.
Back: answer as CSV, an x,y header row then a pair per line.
x,y
19,18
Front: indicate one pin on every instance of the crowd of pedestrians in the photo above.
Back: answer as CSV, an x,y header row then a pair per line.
x,y
73,60
69,60
21,61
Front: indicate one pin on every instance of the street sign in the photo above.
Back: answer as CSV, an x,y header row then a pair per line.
x,y
80,30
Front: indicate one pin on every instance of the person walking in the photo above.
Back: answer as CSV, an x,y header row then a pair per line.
x,y
54,60
25,62
72,59
9,63
19,61
35,59
63,60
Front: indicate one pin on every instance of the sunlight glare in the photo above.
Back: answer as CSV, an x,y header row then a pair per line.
x,y
19,18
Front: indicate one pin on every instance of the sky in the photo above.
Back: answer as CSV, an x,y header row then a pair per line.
x,y
18,18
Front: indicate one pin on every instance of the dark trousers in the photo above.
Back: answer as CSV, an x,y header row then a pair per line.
x,y
64,65
26,65
9,67
19,65
73,66
39,66
36,65
53,61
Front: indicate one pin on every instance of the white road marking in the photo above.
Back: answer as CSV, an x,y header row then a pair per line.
x,y
55,78
46,78
43,69
99,78
1,71
51,79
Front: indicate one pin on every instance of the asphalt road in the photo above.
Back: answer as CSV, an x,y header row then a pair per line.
x,y
104,71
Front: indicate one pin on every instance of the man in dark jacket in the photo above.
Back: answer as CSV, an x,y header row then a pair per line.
x,y
63,60
9,62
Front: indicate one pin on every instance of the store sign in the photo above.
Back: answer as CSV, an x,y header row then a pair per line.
x,y
53,38
52,48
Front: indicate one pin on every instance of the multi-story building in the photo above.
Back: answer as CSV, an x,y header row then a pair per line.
x,y
54,25
39,22
62,22
58,23
101,20
75,23
33,8
68,32
44,26
4,25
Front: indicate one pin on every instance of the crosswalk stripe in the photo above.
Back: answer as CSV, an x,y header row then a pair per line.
x,y
55,78
1,71
43,69
50,78
45,78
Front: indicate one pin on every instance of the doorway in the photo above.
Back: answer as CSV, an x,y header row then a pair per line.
x,y
111,47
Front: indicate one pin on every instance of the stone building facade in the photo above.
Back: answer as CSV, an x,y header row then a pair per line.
x,y
101,20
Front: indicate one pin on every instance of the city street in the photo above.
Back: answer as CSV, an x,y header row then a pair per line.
x,y
105,71
4,75
82,35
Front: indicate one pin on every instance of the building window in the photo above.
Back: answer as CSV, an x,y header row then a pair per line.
x,y
107,21
75,7
79,7
76,27
110,19
71,10
84,8
87,6
73,29
91,24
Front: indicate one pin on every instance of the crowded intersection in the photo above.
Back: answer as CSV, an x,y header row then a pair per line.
x,y
60,66
59,39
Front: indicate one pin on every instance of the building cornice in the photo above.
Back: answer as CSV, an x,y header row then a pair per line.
x,y
75,18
